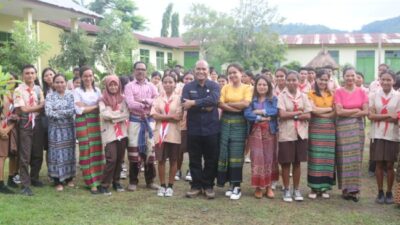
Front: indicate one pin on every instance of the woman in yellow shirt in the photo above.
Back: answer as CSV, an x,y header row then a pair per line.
x,y
235,97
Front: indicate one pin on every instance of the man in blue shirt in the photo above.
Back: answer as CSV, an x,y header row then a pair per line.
x,y
200,98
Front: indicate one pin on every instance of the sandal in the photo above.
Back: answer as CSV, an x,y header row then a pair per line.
x,y
270,193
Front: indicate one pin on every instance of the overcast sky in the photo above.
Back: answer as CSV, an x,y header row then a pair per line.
x,y
337,14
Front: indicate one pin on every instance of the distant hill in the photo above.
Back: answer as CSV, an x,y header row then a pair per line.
x,y
391,25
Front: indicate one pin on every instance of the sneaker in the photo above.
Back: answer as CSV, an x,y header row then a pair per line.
x,y
290,174
228,193
27,191
325,195
123,175
123,167
142,168
11,183
104,191
312,195
287,196
236,193
37,183
380,199
297,195
161,192
169,192
152,186
132,187
389,198
178,175
274,184
210,193
247,159
188,176
17,179
193,193
118,187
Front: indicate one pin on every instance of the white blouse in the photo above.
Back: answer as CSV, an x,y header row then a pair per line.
x,y
89,98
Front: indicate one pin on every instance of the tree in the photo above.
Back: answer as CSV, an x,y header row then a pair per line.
x,y
166,21
114,44
76,50
175,25
24,48
293,65
243,36
127,8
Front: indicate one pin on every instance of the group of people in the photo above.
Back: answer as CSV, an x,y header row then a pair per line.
x,y
282,119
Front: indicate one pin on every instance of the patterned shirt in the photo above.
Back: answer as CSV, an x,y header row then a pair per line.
x,y
25,96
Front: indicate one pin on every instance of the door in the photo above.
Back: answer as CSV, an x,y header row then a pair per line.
x,y
366,64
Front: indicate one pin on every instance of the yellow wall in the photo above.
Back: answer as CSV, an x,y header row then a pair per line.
x,y
50,35
153,53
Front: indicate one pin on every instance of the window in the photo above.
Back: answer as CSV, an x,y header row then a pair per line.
x,y
145,56
335,55
4,37
392,59
169,57
160,60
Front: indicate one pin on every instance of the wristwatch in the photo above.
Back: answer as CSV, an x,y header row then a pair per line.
x,y
296,117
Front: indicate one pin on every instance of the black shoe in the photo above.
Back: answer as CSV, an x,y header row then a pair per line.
x,y
104,190
118,187
389,198
37,183
4,189
11,182
380,199
26,191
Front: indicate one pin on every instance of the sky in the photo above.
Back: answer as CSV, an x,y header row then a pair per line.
x,y
346,15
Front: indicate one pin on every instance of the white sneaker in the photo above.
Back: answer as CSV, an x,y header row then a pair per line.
x,y
274,184
236,193
178,175
188,176
287,196
325,195
297,195
228,193
169,192
142,168
247,159
132,187
123,175
161,192
17,179
312,195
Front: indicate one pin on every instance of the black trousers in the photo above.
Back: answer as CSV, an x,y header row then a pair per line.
x,y
203,148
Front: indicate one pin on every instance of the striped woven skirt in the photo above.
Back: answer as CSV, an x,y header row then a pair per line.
x,y
61,152
264,158
321,154
232,143
350,138
91,156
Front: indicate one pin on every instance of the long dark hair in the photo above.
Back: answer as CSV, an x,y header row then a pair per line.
x,y
81,71
318,75
46,87
269,84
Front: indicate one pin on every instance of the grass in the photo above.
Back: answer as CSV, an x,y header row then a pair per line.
x,y
77,206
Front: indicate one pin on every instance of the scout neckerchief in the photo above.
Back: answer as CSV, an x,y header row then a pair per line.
x,y
302,86
295,100
31,102
165,124
384,110
117,127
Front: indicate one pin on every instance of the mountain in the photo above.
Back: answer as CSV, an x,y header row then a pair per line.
x,y
391,25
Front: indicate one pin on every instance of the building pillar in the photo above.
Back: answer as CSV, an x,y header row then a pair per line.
x,y
74,24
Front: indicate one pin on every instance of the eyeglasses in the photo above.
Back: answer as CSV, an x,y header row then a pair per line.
x,y
140,69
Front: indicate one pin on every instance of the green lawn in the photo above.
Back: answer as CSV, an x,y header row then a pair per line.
x,y
77,206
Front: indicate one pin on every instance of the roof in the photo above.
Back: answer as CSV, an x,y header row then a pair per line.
x,y
158,41
322,60
341,39
43,10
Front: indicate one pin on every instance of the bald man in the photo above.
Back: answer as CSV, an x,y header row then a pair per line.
x,y
200,98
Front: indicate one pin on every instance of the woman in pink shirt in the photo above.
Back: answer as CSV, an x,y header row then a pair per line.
x,y
351,104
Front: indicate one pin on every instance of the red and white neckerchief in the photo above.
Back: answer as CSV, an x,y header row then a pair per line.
x,y
117,128
31,102
164,124
295,100
303,86
384,110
